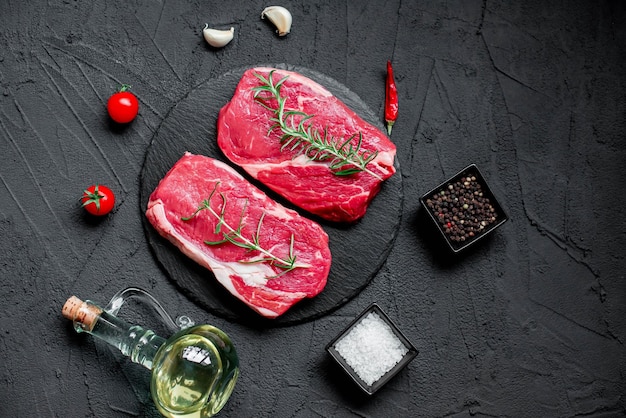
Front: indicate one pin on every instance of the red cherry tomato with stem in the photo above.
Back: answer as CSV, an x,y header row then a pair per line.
x,y
98,200
123,106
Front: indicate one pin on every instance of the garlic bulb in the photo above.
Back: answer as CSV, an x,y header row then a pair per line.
x,y
280,17
217,38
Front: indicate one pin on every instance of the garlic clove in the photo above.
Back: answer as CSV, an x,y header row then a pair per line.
x,y
280,17
217,38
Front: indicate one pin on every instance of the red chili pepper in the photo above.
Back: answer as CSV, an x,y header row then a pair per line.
x,y
391,99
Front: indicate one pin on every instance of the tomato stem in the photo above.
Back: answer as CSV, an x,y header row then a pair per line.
x,y
93,197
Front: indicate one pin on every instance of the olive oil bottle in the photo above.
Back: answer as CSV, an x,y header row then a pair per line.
x,y
193,372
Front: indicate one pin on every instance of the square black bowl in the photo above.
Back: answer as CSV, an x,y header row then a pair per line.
x,y
450,206
410,354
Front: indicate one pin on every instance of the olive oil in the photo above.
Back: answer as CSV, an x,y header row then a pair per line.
x,y
198,366
193,372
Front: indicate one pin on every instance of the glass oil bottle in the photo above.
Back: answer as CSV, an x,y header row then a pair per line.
x,y
193,372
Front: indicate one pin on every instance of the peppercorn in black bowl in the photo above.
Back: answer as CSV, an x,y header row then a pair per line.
x,y
464,208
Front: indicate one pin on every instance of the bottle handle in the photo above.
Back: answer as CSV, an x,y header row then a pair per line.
x,y
122,296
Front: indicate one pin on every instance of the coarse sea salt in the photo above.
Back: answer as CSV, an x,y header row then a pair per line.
x,y
371,348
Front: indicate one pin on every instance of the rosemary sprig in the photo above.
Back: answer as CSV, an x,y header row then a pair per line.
x,y
235,236
298,134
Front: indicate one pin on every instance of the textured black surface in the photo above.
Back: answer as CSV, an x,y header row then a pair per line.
x,y
359,247
529,322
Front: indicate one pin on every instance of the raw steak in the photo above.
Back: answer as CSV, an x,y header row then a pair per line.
x,y
245,138
258,284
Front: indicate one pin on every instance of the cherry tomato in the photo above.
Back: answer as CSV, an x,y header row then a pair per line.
x,y
123,106
98,200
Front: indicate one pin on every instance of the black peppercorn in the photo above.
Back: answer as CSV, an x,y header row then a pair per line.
x,y
465,214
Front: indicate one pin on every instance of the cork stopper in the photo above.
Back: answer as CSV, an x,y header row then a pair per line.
x,y
81,312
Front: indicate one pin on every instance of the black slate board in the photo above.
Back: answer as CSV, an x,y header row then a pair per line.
x,y
359,250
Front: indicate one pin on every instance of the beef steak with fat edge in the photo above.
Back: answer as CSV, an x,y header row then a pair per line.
x,y
260,285
246,138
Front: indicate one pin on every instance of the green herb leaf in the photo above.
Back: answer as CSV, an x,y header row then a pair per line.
x,y
235,236
299,134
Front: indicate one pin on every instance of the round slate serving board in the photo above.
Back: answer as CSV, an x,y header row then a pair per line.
x,y
359,250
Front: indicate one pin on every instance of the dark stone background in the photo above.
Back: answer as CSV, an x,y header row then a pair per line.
x,y
532,322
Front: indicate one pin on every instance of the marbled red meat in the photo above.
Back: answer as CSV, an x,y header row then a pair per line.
x,y
260,285
245,138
